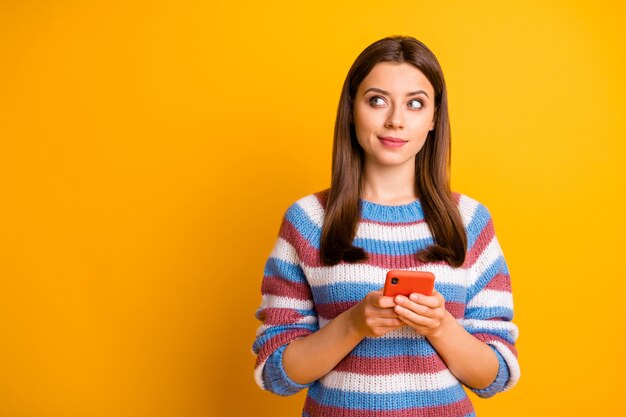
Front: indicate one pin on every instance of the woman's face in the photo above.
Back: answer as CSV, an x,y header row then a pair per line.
x,y
393,111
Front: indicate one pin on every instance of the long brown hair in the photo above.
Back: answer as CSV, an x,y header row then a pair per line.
x,y
432,164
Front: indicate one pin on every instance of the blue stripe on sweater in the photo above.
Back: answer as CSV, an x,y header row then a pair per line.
x,y
486,313
390,347
497,266
304,225
407,213
477,224
386,402
342,292
452,293
501,378
276,379
275,267
276,330
305,313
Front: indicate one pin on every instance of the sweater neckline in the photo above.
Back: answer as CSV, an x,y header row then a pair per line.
x,y
402,213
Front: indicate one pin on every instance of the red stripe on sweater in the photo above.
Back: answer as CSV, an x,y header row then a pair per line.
x,y
483,239
500,282
408,261
391,365
273,285
457,309
279,316
308,255
329,311
460,408
486,337
277,341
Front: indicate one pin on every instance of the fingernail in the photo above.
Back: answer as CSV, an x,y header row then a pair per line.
x,y
414,297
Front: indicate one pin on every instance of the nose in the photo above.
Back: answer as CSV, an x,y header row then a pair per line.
x,y
395,118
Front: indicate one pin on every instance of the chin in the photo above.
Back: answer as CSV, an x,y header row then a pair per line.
x,y
395,162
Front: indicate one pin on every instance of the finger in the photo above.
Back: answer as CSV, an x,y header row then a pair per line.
x,y
408,304
380,301
431,301
386,312
388,322
418,328
412,318
435,313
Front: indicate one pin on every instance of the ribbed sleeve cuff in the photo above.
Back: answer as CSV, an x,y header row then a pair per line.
x,y
276,379
501,379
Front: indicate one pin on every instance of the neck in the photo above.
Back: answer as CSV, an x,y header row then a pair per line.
x,y
389,185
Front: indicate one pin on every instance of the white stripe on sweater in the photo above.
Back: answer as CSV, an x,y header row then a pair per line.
x,y
388,233
385,384
274,301
284,251
492,298
467,208
404,332
489,326
485,260
313,209
258,374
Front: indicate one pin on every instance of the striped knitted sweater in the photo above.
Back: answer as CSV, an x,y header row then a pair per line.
x,y
398,374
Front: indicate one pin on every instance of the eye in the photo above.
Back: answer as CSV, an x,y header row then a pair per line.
x,y
415,104
377,101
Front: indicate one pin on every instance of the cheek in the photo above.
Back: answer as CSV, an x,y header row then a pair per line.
x,y
361,137
423,125
362,126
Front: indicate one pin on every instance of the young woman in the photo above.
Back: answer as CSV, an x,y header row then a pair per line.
x,y
325,324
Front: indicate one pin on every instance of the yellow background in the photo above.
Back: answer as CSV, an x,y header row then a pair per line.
x,y
149,149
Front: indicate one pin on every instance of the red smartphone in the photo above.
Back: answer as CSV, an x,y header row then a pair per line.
x,y
408,282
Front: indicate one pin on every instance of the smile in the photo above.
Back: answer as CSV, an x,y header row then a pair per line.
x,y
392,142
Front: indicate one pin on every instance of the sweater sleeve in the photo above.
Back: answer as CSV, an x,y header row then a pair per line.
x,y
286,312
489,308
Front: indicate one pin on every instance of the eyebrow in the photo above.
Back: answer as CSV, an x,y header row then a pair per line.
x,y
412,93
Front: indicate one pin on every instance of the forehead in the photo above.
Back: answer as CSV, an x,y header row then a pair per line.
x,y
396,78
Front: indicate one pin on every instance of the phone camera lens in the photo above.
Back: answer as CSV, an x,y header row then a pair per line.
x,y
394,281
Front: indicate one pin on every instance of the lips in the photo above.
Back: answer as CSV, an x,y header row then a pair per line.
x,y
392,142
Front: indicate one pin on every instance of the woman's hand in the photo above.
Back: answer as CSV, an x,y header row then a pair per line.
x,y
425,313
309,358
374,315
469,359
